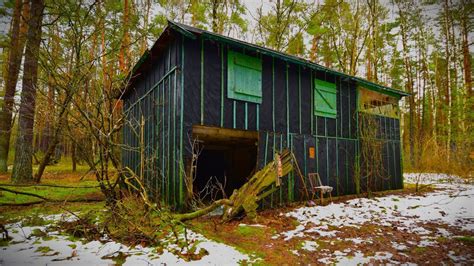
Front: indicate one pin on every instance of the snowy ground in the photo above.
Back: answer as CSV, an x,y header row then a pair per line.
x,y
29,249
391,229
427,218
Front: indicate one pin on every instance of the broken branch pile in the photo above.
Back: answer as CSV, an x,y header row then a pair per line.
x,y
247,197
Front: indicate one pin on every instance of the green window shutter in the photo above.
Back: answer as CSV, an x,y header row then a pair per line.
x,y
325,101
244,74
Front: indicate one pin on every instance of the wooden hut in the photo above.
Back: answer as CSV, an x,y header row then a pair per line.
x,y
202,106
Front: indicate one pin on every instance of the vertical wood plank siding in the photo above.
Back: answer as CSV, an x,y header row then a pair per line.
x,y
187,85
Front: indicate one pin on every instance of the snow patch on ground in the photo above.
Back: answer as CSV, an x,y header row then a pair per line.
x,y
23,250
310,245
451,203
433,178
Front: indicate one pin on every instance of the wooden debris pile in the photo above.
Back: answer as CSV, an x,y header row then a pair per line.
x,y
247,197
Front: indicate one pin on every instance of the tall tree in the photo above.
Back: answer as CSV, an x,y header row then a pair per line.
x,y
17,44
284,22
342,38
466,24
466,17
403,16
124,55
22,167
377,39
226,16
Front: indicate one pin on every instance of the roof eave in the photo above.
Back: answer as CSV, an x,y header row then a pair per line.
x,y
282,56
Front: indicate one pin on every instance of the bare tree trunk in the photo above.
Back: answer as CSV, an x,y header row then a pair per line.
x,y
313,54
74,157
448,79
215,5
467,68
124,56
355,37
22,167
17,44
455,122
409,84
54,139
466,58
144,45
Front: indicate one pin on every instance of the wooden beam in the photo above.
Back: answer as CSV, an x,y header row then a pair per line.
x,y
206,133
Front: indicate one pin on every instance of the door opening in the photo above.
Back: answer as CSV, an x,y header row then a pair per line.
x,y
227,158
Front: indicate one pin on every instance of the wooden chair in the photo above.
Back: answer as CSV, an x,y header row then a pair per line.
x,y
317,186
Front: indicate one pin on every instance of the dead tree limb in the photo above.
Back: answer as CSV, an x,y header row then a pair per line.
x,y
31,203
43,199
246,198
24,193
45,185
201,212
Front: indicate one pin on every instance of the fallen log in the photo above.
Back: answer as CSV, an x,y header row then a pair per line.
x,y
192,215
31,203
25,193
253,191
247,197
42,199
46,185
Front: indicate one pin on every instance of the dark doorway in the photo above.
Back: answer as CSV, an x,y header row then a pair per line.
x,y
227,157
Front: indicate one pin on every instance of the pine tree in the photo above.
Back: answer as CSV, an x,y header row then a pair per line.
x,y
22,167
17,43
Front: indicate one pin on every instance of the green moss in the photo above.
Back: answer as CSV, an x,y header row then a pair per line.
x,y
321,244
38,233
48,192
43,249
243,247
300,245
56,193
73,246
253,231
29,216
4,242
295,222
466,239
419,249
118,259
34,220
64,166
48,238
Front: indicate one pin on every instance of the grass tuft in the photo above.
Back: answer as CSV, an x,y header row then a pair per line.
x,y
43,249
245,230
469,240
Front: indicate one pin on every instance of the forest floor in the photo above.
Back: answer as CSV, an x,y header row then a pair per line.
x,y
402,226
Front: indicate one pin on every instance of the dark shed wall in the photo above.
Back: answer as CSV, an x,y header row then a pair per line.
x,y
286,103
389,176
156,97
186,85
284,118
